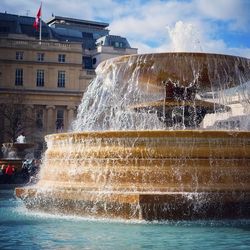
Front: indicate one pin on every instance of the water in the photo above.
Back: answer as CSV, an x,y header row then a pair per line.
x,y
184,37
125,90
22,229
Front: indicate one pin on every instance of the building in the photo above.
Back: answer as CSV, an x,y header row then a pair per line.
x,y
46,79
98,45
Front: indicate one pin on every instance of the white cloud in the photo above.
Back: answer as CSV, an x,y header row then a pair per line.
x,y
144,23
143,48
219,9
236,12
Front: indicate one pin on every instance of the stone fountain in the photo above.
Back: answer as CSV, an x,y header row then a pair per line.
x,y
14,152
137,151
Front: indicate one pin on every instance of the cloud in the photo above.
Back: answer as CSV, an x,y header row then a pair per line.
x,y
148,21
235,12
157,25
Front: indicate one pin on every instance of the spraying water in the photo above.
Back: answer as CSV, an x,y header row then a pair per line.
x,y
106,104
160,91
184,38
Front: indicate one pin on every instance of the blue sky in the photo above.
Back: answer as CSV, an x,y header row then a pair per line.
x,y
215,26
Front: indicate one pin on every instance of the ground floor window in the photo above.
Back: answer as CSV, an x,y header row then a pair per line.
x,y
59,119
39,118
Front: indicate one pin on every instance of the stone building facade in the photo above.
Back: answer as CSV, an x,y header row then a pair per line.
x,y
50,76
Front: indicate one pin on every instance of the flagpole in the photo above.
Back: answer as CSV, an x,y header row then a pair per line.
x,y
40,27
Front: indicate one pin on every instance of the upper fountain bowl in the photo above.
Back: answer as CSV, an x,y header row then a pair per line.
x,y
209,72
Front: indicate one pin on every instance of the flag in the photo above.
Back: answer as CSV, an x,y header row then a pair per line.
x,y
37,20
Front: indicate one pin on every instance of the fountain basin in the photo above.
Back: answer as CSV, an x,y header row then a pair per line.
x,y
183,68
16,150
149,175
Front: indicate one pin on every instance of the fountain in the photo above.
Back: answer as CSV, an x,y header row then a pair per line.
x,y
138,151
14,153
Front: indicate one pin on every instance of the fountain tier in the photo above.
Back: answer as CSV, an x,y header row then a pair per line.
x,y
145,175
177,83
204,70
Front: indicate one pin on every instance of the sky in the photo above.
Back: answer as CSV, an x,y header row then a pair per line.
x,y
213,26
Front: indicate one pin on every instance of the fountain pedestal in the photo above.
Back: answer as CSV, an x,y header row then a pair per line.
x,y
170,111
145,175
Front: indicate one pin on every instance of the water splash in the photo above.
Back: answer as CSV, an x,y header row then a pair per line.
x,y
105,105
124,83
184,38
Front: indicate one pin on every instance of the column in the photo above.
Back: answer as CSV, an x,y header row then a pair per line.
x,y
71,117
50,126
29,125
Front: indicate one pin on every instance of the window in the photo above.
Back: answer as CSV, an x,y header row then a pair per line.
x,y
61,79
87,62
61,58
4,29
116,44
237,125
39,118
94,60
19,77
59,119
40,78
40,57
19,55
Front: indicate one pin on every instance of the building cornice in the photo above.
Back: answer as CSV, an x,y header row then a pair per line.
x,y
40,91
45,63
46,45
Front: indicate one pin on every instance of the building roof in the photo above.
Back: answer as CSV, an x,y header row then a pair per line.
x,y
72,35
89,33
61,19
115,41
15,24
96,29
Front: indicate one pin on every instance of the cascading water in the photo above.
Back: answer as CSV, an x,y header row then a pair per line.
x,y
106,104
122,84
137,151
